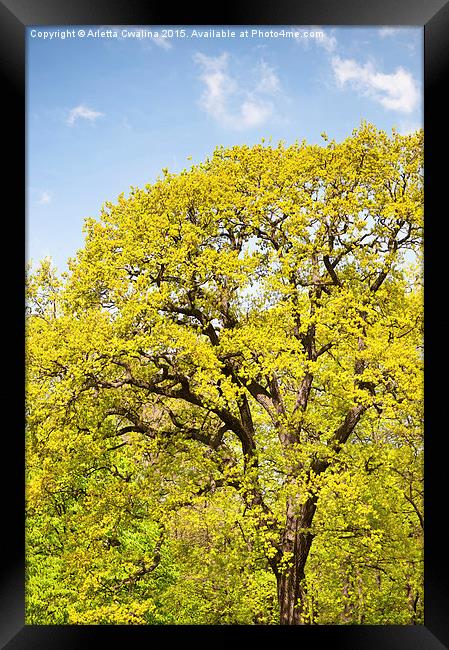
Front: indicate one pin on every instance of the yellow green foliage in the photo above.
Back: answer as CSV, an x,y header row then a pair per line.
x,y
234,347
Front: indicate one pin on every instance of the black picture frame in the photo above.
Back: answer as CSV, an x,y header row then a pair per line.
x,y
433,16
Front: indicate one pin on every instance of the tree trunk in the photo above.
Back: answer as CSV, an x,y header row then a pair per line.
x,y
296,543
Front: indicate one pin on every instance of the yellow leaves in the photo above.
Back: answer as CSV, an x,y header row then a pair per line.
x,y
364,537
135,613
247,276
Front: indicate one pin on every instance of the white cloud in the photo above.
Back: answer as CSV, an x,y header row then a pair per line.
x,y
227,102
44,198
268,80
163,42
385,32
253,113
82,112
328,41
397,91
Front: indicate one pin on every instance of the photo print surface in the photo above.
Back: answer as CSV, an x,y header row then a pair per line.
x,y
224,325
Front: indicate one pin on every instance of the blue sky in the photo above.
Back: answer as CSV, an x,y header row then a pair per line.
x,y
105,114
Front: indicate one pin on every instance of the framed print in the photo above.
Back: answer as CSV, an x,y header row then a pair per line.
x,y
233,271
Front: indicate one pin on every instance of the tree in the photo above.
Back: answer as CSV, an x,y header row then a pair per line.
x,y
247,335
